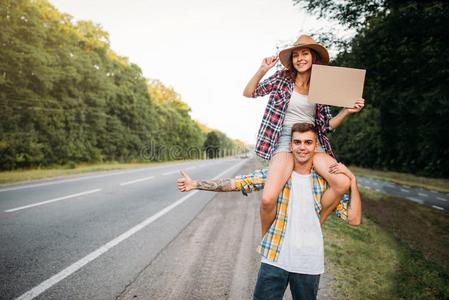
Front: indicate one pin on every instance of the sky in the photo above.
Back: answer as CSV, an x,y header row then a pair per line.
x,y
206,50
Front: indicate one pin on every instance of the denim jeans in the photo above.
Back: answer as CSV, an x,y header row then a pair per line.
x,y
272,282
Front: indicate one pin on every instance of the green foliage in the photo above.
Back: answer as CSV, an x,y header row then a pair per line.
x,y
66,97
402,44
212,144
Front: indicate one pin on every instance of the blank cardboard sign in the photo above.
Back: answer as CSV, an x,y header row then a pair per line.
x,y
336,86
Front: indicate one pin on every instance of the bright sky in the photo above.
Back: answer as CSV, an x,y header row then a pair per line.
x,y
207,50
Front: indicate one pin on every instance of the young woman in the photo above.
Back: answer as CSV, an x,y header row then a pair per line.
x,y
288,89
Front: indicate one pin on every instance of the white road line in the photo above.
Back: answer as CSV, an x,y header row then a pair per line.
x,y
377,190
442,199
423,195
405,190
367,187
170,173
137,180
53,200
14,188
416,200
39,289
437,207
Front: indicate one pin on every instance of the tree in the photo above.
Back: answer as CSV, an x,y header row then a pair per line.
x,y
402,45
212,145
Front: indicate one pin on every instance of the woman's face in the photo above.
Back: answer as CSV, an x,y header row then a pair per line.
x,y
302,59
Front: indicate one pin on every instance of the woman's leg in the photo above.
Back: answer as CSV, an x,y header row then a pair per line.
x,y
279,171
338,184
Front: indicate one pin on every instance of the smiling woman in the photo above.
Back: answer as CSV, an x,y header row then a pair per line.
x,y
288,89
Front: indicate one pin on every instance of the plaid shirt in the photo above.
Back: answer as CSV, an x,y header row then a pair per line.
x,y
280,87
271,243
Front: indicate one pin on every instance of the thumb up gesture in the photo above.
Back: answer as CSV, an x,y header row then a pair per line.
x,y
185,183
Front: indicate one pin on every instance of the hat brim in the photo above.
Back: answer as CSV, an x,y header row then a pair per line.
x,y
285,55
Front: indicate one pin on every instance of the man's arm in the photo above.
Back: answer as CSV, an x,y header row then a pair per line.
x,y
244,183
355,203
185,184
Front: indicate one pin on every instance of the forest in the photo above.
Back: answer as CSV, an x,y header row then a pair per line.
x,y
66,97
403,46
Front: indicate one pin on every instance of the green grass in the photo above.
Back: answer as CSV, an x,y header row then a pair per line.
x,y
401,251
435,184
52,172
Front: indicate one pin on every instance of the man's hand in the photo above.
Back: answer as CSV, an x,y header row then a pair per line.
x,y
185,183
358,105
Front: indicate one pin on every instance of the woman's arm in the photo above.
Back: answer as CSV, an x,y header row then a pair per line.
x,y
355,202
341,116
266,65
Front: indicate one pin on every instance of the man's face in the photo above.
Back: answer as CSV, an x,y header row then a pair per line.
x,y
303,146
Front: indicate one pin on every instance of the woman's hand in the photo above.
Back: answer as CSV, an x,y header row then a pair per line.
x,y
359,104
269,62
339,168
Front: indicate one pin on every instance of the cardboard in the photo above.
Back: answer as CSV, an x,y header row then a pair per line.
x,y
336,86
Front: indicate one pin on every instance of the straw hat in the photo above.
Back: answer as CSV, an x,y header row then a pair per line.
x,y
304,41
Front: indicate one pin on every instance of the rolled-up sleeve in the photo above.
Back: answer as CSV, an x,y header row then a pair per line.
x,y
266,86
251,182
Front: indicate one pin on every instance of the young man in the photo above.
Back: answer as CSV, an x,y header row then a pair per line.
x,y
292,250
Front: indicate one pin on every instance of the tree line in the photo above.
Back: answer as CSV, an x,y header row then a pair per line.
x,y
67,97
403,46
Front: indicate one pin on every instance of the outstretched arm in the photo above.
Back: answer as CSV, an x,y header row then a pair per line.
x,y
185,184
355,202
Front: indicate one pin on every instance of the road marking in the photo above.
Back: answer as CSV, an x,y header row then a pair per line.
x,y
405,190
416,200
86,177
39,289
442,199
423,195
137,180
53,200
377,190
367,187
177,171
437,207
171,172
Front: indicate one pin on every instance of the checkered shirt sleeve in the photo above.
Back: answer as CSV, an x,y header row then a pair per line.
x,y
266,86
251,182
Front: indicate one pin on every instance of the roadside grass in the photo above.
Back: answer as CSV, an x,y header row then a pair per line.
x,y
435,184
401,251
25,175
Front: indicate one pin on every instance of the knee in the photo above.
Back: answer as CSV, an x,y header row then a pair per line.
x,y
340,184
268,203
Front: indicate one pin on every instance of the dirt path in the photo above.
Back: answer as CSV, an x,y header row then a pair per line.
x,y
214,257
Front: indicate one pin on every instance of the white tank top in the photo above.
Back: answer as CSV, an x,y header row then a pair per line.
x,y
302,249
299,110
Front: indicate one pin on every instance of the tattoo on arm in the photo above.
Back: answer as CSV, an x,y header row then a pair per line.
x,y
219,185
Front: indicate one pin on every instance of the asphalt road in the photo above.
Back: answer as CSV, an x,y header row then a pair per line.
x,y
88,237
131,234
436,200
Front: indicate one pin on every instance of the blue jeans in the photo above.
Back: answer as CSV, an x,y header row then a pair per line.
x,y
272,282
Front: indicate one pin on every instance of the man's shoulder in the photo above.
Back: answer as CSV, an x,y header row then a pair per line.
x,y
318,179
